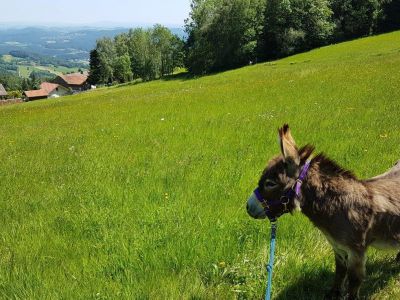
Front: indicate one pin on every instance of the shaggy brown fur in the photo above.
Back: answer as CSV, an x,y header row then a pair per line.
x,y
353,214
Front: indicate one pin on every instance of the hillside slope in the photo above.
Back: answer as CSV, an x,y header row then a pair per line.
x,y
139,191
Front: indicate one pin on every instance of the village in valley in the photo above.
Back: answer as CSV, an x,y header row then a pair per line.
x,y
62,85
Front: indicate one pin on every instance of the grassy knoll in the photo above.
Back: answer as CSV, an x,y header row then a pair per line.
x,y
139,191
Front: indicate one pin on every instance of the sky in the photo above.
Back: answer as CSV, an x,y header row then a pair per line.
x,y
95,12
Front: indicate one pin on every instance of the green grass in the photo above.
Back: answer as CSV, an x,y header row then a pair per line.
x,y
7,58
63,70
140,191
25,70
58,70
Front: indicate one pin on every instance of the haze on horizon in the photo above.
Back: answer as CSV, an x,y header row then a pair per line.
x,y
100,12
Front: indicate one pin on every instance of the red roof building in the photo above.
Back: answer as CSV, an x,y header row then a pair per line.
x,y
47,90
76,81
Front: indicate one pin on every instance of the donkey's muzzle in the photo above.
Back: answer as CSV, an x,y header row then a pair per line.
x,y
254,208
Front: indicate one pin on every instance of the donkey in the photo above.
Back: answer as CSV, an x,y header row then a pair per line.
x,y
353,214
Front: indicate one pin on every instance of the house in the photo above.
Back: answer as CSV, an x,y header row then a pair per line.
x,y
47,90
3,92
77,82
36,94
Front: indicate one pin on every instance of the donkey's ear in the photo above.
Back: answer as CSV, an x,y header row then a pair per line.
x,y
288,147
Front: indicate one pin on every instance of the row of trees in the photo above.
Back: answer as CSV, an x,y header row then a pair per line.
x,y
13,82
224,34
140,53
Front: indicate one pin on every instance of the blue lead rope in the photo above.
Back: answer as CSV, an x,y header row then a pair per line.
x,y
270,265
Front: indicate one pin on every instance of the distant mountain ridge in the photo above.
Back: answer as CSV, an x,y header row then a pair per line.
x,y
66,43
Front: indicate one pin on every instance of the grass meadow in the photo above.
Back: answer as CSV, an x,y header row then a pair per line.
x,y
139,192
26,70
7,58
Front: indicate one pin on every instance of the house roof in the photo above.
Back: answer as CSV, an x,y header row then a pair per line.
x,y
75,78
3,91
45,90
36,93
48,86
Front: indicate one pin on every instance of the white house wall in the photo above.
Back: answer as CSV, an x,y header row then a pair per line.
x,y
59,92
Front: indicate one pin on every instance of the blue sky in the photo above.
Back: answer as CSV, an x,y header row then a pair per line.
x,y
167,12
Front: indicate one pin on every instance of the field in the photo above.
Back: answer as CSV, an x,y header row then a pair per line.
x,y
139,191
7,58
26,70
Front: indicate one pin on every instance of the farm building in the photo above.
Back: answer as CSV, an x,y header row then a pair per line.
x,y
3,92
77,82
47,90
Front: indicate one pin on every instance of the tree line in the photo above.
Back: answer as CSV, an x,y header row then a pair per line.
x,y
141,53
225,34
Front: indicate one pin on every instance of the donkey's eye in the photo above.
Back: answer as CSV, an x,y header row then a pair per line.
x,y
269,184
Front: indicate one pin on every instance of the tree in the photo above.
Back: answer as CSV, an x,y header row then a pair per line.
x,y
25,85
390,17
11,81
122,69
355,18
178,53
94,68
140,53
14,94
168,50
34,82
121,44
154,52
222,33
106,54
295,25
199,50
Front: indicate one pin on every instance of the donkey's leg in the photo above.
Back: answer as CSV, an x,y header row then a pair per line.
x,y
340,275
355,272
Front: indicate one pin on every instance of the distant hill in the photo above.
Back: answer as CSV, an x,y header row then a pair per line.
x,y
64,43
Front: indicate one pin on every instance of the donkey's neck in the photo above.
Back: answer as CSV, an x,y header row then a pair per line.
x,y
326,188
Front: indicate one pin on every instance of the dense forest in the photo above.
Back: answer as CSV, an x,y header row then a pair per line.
x,y
224,34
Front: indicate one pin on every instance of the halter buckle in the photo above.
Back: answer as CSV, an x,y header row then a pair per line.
x,y
285,203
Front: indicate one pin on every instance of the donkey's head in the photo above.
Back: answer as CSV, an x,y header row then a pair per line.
x,y
276,191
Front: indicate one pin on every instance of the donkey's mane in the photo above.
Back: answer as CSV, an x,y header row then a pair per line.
x,y
325,163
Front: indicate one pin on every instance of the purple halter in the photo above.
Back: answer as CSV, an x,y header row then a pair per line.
x,y
280,205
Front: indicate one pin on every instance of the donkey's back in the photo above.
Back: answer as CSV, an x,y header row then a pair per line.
x,y
385,196
394,172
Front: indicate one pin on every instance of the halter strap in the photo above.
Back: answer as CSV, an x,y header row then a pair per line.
x,y
302,176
